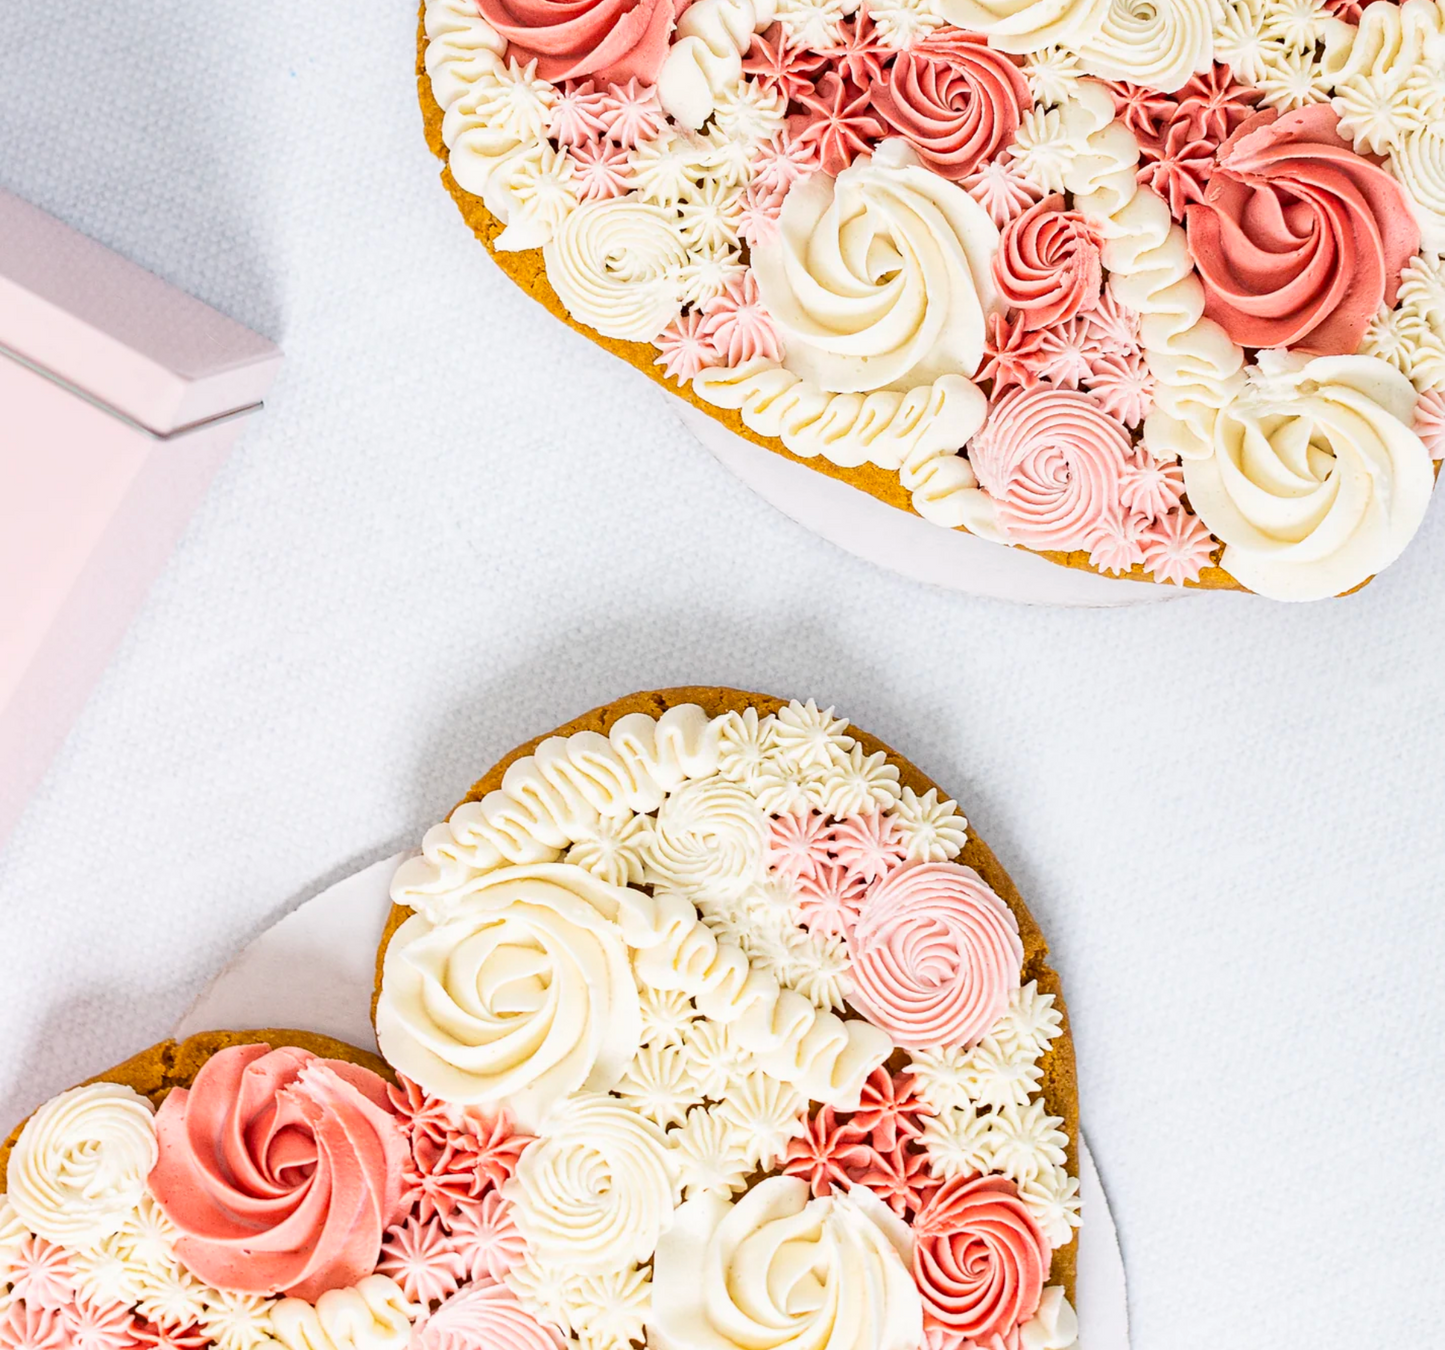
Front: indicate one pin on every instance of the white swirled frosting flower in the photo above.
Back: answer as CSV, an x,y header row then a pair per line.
x,y
615,264
778,1270
880,277
524,993
708,840
80,1165
1158,43
1317,480
598,1189
1028,25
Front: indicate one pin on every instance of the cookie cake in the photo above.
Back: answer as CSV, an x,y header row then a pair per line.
x,y
1152,290
706,1022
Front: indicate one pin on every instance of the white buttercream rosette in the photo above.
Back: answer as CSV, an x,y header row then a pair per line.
x,y
686,1051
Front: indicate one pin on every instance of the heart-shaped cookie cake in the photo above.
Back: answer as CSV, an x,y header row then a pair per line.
x,y
1153,290
776,1030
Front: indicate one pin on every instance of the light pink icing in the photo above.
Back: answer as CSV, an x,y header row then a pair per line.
x,y
1119,545
631,113
836,124
1122,385
1299,239
1177,547
26,1327
602,169
979,1259
869,846
758,214
829,899
797,844
577,114
40,1272
738,324
613,39
1052,460
686,348
419,1256
1150,487
484,1236
485,1314
954,99
1113,329
1047,266
1430,422
935,955
280,1169
91,1326
999,188
1066,353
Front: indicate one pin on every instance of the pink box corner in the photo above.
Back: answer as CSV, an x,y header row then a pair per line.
x,y
121,397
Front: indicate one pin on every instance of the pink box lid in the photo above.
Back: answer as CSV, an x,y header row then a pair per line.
x,y
86,317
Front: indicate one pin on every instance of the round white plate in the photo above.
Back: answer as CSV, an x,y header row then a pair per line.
x,y
314,971
908,544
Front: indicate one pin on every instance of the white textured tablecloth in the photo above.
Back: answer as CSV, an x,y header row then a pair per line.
x,y
457,525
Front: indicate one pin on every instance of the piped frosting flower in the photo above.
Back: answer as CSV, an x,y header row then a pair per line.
x,y
1048,266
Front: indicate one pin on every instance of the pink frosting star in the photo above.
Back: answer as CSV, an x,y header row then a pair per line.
x,y
1177,166
739,325
782,162
1145,112
1177,547
1430,422
1149,487
485,1238
602,170
495,1144
758,214
797,845
837,120
869,846
1214,104
861,53
827,1153
578,114
435,1176
163,1336
1123,385
686,348
99,1326
420,1112
1113,330
631,113
1118,544
791,69
41,1274
1064,352
419,1257
829,899
889,1110
24,1326
997,187
899,1177
1013,355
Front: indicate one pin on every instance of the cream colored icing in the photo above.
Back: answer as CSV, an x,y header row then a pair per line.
x,y
373,1314
1028,25
598,1189
557,797
80,1165
778,1271
1316,480
1151,42
881,277
706,56
708,840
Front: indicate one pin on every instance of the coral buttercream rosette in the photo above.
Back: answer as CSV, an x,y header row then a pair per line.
x,y
765,1041
1048,271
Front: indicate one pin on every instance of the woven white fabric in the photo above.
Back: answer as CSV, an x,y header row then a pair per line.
x,y
458,524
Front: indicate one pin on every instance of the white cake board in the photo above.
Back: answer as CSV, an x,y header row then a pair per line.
x,y
314,971
908,544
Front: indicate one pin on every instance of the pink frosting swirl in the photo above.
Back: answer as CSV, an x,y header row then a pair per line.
x,y
954,99
1299,239
486,1314
1047,265
935,956
979,1259
617,40
1052,460
281,1170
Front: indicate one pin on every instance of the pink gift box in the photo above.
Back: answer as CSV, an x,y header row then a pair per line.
x,y
119,398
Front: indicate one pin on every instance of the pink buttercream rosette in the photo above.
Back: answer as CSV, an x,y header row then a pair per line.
x,y
935,955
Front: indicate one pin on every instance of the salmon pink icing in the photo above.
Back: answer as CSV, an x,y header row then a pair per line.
x,y
935,955
1299,239
954,99
979,1259
617,40
281,1170
1048,265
